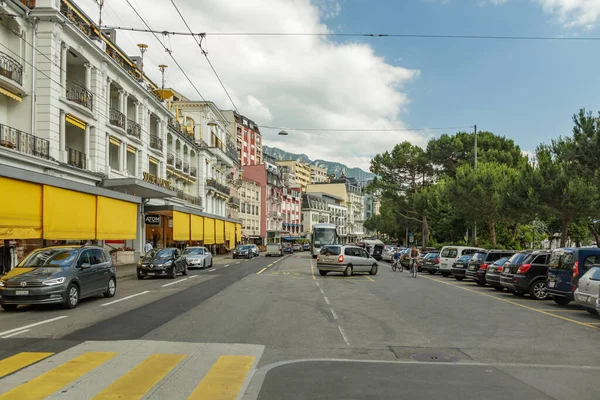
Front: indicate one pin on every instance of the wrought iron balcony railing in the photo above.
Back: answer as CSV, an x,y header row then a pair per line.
x,y
11,68
156,142
186,167
178,163
76,158
189,198
171,160
134,129
194,172
24,142
219,186
117,118
80,95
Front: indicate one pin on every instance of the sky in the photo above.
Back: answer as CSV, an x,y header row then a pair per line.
x,y
524,90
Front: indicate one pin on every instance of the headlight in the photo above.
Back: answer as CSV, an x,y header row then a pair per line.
x,y
2,284
52,282
167,264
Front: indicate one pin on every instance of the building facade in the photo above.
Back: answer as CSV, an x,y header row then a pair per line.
x,y
250,211
315,210
300,170
247,136
318,174
291,206
258,174
274,200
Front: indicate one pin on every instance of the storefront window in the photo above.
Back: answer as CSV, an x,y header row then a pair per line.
x,y
153,167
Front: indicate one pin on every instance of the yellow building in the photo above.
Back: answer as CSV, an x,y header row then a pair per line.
x,y
318,174
301,170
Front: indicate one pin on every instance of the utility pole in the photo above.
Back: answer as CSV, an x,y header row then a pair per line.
x,y
475,153
101,6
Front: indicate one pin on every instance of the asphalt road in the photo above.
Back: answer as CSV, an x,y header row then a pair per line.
x,y
273,328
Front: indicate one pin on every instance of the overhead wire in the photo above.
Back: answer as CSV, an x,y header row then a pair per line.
x,y
365,130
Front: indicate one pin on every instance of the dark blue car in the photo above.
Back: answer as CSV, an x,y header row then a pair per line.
x,y
566,266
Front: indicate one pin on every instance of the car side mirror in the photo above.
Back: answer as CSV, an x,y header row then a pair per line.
x,y
85,266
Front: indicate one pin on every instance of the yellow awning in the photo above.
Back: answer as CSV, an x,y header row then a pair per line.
x,y
197,228
20,209
153,160
181,226
116,219
131,149
238,232
115,141
12,95
209,231
220,231
231,234
76,122
69,215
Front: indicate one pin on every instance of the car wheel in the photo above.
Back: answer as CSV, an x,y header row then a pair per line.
x,y
185,270
538,290
173,273
72,296
111,289
480,283
211,262
139,275
445,274
592,311
458,278
9,307
348,270
518,293
498,288
373,270
323,273
562,301
431,272
203,264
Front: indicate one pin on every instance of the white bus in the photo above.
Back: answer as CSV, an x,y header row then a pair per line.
x,y
322,235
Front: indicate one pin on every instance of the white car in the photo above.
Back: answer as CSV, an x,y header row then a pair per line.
x,y
587,293
388,253
197,257
449,255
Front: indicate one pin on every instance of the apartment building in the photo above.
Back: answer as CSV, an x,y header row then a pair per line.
x,y
335,214
300,170
274,200
248,138
318,174
250,211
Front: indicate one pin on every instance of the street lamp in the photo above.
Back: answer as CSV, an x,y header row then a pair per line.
x,y
282,133
212,123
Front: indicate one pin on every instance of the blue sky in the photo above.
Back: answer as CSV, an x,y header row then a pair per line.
x,y
525,90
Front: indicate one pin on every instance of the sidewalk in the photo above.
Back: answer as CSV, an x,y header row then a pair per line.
x,y
126,271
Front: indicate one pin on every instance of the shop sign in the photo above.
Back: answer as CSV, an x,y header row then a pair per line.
x,y
150,219
155,180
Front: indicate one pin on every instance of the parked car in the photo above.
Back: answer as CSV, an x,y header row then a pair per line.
x,y
566,266
492,274
287,248
162,262
306,247
459,267
388,253
59,275
296,247
197,257
345,258
587,293
243,251
527,272
449,254
405,258
429,261
274,249
480,262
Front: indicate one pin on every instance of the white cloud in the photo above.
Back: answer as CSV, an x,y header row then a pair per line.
x,y
329,9
300,81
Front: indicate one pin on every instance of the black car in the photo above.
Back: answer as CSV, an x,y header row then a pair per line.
x,y
243,251
527,272
162,262
480,262
306,247
429,261
492,274
459,268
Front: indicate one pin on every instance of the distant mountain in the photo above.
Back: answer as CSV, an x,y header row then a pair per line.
x,y
334,168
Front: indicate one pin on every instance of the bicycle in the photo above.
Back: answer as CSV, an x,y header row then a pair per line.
x,y
396,265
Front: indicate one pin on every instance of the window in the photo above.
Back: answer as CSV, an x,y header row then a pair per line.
x,y
131,160
97,256
541,259
591,261
152,166
594,274
113,154
85,258
449,252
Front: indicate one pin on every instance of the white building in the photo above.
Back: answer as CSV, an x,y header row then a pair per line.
x,y
250,194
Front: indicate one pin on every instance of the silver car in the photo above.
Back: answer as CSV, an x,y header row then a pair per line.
x,y
197,257
587,293
345,258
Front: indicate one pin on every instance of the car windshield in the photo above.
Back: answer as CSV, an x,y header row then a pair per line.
x,y
242,248
324,236
53,257
331,251
501,261
193,251
159,253
477,257
449,252
593,274
560,260
466,258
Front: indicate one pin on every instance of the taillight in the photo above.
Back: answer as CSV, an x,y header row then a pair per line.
x,y
500,268
483,267
341,258
523,268
436,260
318,258
576,269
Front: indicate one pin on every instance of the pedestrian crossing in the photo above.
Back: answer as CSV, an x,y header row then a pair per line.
x,y
128,370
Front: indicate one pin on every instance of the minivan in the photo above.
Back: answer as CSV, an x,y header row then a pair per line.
x,y
566,266
450,254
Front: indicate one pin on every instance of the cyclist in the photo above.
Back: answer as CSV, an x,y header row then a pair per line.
x,y
397,259
414,256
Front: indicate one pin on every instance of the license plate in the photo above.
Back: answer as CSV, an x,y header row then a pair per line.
x,y
583,297
22,292
551,283
472,268
150,273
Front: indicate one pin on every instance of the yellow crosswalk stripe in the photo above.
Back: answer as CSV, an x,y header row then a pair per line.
x,y
224,380
21,360
135,383
44,385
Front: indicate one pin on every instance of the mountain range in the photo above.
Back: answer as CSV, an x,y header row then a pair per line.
x,y
333,168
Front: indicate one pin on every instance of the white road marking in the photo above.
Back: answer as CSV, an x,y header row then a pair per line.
x,y
322,292
238,262
32,325
318,285
193,276
326,300
124,298
211,270
333,313
16,333
226,266
173,283
344,335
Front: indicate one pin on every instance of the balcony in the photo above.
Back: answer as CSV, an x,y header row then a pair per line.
x,y
189,198
194,172
186,168
117,118
178,163
76,158
218,186
156,143
234,201
11,68
80,95
134,129
170,160
24,142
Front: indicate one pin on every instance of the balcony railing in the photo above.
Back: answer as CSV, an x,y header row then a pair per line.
x,y
178,163
117,118
24,142
134,129
11,68
194,172
189,198
234,201
80,95
219,186
76,158
186,167
156,142
171,160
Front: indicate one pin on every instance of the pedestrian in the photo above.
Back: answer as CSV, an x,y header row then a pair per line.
x,y
148,247
414,256
5,258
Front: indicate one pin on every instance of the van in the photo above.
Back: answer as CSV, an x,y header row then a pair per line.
x,y
566,266
450,254
274,249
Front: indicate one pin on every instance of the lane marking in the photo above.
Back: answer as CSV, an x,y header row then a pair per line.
x,y
327,300
224,379
318,284
261,271
333,313
174,282
322,292
21,360
226,266
47,321
124,298
211,270
515,303
16,333
194,276
59,377
312,270
344,335
592,323
135,383
238,262
369,278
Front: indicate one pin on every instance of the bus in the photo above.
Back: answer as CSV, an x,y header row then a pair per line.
x,y
322,235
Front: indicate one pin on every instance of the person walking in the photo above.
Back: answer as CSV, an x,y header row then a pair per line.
x,y
148,247
414,256
5,258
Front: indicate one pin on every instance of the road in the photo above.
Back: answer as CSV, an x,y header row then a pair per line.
x,y
273,328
